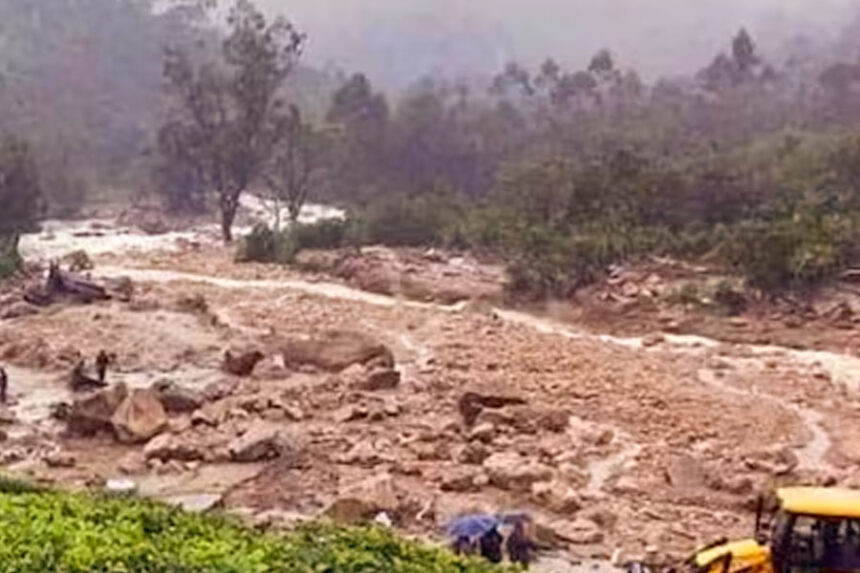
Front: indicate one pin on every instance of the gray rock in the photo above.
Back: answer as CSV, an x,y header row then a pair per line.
x,y
510,471
179,400
260,442
197,502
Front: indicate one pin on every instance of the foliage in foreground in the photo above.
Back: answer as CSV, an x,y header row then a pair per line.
x,y
67,533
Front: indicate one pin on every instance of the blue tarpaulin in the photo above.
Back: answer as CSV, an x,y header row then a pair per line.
x,y
472,526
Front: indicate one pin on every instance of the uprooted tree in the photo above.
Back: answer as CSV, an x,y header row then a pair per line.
x,y
228,113
19,200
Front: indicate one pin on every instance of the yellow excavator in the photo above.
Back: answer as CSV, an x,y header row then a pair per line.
x,y
802,530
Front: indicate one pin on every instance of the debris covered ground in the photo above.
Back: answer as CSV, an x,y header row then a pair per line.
x,y
410,409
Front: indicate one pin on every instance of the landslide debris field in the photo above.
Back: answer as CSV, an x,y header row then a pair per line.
x,y
365,403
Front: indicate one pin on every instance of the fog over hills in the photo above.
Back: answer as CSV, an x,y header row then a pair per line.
x,y
396,41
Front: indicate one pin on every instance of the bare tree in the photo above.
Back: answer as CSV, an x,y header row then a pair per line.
x,y
294,166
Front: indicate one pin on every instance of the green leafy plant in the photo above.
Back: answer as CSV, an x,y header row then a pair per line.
x,y
325,234
70,533
263,245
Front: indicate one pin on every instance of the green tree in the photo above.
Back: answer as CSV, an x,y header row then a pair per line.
x,y
19,199
229,113
360,120
744,52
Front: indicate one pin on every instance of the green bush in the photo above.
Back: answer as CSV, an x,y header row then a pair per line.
x,y
432,220
325,234
67,533
548,264
10,259
794,252
731,301
263,245
687,295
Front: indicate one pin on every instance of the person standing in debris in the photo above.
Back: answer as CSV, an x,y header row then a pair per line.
x,y
491,546
102,361
4,385
520,547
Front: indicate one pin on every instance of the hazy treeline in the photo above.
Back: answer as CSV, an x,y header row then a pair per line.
x,y
561,172
82,81
566,171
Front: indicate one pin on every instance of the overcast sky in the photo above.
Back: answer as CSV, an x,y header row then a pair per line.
x,y
396,41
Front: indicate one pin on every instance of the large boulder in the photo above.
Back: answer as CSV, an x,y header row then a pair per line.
x,y
363,501
369,275
186,448
381,379
336,350
262,441
511,471
179,400
460,480
557,496
93,413
139,418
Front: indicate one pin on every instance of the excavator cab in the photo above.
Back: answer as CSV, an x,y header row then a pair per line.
x,y
804,530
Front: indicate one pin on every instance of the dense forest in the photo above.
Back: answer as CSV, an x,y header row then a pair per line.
x,y
752,163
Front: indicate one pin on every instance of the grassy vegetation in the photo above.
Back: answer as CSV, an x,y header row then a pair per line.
x,y
265,245
72,533
10,259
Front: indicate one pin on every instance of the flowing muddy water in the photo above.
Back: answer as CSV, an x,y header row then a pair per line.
x,y
601,471
102,236
812,455
36,392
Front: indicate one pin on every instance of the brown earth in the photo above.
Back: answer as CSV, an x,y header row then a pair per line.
x,y
619,445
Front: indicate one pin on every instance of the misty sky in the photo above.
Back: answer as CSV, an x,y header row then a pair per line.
x,y
396,41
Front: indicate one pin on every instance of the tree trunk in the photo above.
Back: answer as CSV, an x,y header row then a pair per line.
x,y
229,206
227,226
295,211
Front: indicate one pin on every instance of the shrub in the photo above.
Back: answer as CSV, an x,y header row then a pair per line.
x,y
433,220
10,259
793,252
325,234
80,534
547,263
731,301
687,295
20,191
263,245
